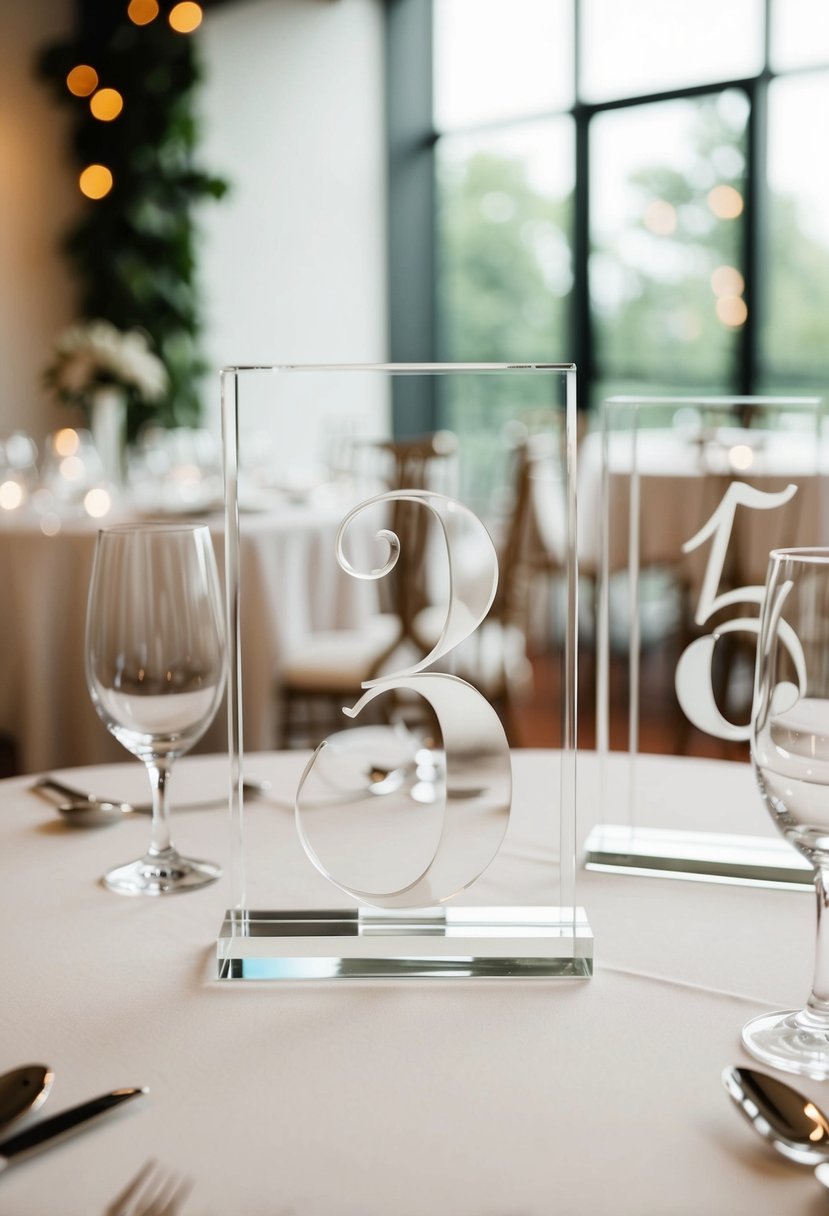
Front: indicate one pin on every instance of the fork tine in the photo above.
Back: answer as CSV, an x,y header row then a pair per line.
x,y
179,1189
118,1206
154,1191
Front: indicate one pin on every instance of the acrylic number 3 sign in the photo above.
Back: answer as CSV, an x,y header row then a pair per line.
x,y
368,841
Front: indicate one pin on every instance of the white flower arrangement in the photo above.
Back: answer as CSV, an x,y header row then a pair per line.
x,y
96,354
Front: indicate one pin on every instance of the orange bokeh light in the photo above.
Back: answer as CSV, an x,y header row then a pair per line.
x,y
732,311
725,202
82,80
142,12
106,104
185,17
660,217
95,181
727,281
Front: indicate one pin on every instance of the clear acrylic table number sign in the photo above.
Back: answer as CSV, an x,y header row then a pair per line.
x,y
741,492
403,833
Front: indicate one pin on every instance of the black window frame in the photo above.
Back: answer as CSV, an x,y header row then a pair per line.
x,y
412,249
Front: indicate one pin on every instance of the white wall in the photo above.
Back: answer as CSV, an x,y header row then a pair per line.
x,y
38,198
293,264
294,259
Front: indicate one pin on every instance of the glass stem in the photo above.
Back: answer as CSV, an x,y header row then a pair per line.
x,y
816,1013
160,841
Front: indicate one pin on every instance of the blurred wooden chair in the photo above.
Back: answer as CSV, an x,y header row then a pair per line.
x,y
330,669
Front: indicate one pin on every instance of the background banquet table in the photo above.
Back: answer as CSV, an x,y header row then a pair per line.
x,y
492,1098
681,484
292,585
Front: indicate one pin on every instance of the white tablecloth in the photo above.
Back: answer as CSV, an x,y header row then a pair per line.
x,y
291,585
452,1098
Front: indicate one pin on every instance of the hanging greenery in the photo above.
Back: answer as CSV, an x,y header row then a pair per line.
x,y
134,246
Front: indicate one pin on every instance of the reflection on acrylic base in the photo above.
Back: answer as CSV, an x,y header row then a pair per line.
x,y
757,861
431,943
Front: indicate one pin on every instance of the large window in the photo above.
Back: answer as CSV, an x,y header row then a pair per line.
x,y
639,188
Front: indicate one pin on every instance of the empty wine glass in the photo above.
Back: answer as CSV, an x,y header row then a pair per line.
x,y
155,667
790,753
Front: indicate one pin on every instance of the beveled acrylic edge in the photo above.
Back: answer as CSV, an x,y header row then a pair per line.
x,y
400,369
397,968
758,861
480,942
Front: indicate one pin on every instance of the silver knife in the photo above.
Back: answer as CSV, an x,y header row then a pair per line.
x,y
43,1134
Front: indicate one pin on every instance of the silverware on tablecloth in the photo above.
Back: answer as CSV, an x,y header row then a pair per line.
x,y
87,810
42,1135
154,1191
23,1090
787,1120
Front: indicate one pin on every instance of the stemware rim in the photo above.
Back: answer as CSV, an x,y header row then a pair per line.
x,y
819,554
152,525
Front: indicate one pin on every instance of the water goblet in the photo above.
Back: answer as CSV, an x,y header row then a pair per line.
x,y
155,668
790,754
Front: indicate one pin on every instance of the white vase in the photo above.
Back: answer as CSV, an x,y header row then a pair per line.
x,y
108,423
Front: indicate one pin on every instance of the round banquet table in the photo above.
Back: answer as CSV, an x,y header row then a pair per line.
x,y
291,584
485,1097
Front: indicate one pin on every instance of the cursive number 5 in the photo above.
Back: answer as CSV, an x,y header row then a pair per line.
x,y
693,678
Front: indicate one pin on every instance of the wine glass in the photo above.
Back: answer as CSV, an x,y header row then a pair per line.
x,y
790,754
155,667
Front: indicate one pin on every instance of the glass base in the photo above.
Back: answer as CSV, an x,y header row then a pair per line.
x,y
779,1039
757,861
374,943
165,874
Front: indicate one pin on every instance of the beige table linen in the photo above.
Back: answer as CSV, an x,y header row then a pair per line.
x,y
448,1098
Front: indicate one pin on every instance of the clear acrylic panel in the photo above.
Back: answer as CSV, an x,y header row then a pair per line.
x,y
681,500
419,580
495,61
649,46
666,268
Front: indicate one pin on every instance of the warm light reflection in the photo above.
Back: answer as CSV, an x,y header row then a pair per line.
x,y
95,181
66,442
50,524
740,457
97,502
727,281
660,217
731,310
725,202
11,495
82,80
142,12
72,468
812,1112
185,17
106,104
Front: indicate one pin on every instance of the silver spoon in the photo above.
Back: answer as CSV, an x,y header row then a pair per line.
x,y
87,811
22,1090
788,1120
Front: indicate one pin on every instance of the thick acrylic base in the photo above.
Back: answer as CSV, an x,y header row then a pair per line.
x,y
778,1039
367,943
763,861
